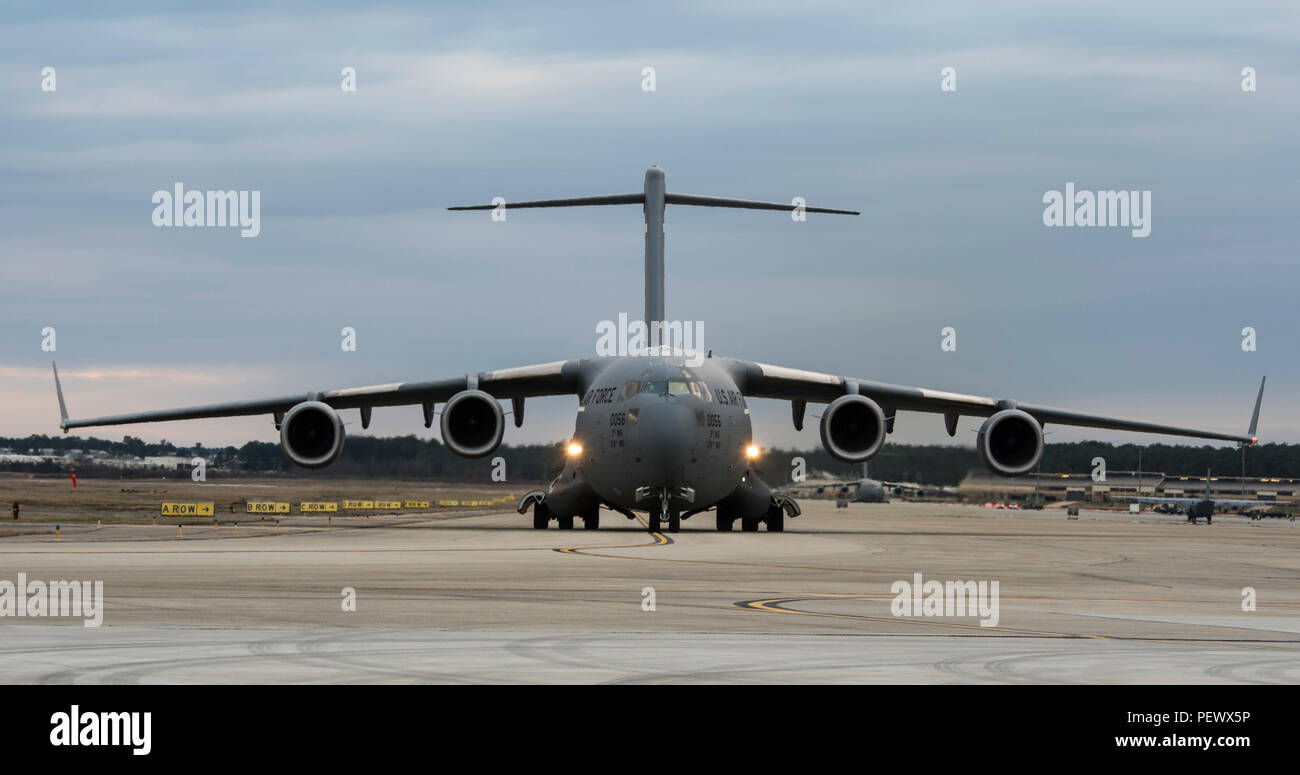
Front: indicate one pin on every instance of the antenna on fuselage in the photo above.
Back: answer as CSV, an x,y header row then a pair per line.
x,y
653,198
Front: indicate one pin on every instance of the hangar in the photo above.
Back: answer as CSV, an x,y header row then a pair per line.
x,y
1081,487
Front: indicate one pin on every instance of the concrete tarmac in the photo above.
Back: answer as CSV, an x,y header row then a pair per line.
x,y
1107,598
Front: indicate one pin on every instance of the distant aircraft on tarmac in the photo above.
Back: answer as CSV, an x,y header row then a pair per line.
x,y
1199,508
863,490
666,432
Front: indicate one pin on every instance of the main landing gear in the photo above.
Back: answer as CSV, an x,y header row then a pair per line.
x,y
780,507
542,514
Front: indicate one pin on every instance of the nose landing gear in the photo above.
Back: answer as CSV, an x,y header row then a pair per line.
x,y
665,514
673,518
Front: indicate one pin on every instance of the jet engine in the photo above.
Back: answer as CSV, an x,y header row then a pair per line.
x,y
311,434
853,428
1010,443
472,423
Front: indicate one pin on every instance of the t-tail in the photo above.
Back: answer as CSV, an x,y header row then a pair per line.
x,y
653,198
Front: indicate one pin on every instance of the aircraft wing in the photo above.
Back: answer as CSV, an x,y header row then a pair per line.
x,y
545,379
761,380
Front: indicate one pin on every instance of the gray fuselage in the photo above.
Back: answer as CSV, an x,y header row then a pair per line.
x,y
654,427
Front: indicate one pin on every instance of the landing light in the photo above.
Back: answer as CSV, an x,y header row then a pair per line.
x,y
574,449
751,451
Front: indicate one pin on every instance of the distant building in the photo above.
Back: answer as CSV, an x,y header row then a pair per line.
x,y
12,458
170,462
1081,487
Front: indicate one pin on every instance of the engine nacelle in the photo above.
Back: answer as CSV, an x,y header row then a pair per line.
x,y
1010,443
311,434
472,424
853,428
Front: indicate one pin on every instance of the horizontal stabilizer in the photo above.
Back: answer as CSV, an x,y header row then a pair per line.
x,y
745,204
581,201
669,198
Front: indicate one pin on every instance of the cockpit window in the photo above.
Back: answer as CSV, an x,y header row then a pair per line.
x,y
668,387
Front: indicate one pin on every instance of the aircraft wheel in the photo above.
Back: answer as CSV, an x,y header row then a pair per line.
x,y
1209,520
749,525
654,523
724,522
541,515
566,523
775,520
674,521
591,520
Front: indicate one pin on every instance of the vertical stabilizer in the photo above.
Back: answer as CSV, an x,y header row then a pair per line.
x,y
654,252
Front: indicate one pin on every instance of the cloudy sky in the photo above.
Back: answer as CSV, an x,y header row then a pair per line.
x,y
837,102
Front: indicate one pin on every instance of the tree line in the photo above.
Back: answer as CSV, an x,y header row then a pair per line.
x,y
415,458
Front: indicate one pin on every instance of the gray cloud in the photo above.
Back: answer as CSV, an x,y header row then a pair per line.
x,y
835,102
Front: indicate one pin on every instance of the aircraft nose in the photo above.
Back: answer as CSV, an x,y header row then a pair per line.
x,y
665,437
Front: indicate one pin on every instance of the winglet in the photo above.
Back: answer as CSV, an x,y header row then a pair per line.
x,y
63,408
1254,418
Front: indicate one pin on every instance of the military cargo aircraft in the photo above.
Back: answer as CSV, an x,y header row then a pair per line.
x,y
1198,508
664,432
861,490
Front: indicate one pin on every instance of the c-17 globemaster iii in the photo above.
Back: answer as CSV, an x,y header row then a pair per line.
x,y
655,432
1200,508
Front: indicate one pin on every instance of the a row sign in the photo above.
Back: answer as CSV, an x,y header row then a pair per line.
x,y
279,507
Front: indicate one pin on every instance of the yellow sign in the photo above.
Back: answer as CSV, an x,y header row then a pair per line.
x,y
388,504
415,505
448,503
187,510
267,507
317,506
358,504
